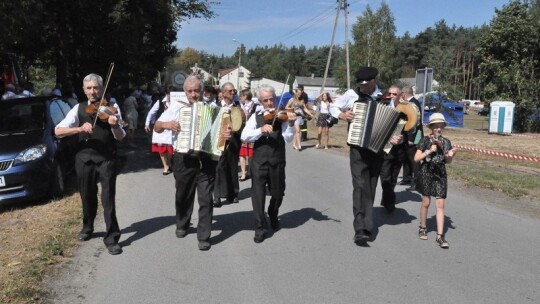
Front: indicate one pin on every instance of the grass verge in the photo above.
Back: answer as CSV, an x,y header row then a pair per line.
x,y
33,239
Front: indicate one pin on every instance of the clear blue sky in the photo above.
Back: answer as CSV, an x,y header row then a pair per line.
x,y
310,22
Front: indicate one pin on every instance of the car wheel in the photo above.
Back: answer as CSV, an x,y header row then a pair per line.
x,y
58,181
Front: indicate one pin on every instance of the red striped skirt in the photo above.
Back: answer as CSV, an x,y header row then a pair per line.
x,y
246,150
162,148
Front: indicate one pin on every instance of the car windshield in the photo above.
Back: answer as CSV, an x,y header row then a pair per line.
x,y
21,117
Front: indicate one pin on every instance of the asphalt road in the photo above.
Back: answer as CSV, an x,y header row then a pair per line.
x,y
493,255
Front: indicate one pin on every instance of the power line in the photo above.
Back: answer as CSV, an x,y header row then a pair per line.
x,y
322,16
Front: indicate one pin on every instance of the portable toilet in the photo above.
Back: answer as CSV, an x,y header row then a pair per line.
x,y
501,116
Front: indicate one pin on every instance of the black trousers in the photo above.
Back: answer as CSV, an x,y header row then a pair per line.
x,y
389,174
365,170
412,170
89,173
227,184
261,176
190,174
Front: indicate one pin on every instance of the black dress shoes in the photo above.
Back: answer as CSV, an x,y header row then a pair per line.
x,y
114,249
180,233
83,237
217,203
404,182
204,245
361,239
274,223
259,236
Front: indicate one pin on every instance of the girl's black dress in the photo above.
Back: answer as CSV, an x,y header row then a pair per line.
x,y
431,179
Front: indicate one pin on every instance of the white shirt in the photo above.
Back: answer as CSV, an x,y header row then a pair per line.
x,y
164,137
72,120
171,114
346,101
251,133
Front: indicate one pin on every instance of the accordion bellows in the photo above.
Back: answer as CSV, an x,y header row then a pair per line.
x,y
373,125
201,129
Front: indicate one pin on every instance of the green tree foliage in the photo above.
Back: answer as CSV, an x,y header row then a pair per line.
x,y
375,43
79,37
510,60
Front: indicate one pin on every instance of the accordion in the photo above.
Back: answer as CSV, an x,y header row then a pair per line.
x,y
374,125
201,129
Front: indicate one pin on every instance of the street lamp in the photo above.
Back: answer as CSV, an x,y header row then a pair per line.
x,y
239,63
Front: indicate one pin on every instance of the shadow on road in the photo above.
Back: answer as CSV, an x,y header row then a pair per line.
x,y
230,224
146,227
382,217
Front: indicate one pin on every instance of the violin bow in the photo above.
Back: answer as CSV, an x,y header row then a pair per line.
x,y
281,97
109,73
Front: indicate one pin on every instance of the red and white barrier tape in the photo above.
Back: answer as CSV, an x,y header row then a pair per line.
x,y
506,155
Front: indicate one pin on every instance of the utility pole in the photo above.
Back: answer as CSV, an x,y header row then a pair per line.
x,y
342,5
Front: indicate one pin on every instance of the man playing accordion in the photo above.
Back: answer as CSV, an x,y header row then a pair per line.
x,y
191,171
365,163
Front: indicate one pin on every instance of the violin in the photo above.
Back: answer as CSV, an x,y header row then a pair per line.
x,y
271,116
103,110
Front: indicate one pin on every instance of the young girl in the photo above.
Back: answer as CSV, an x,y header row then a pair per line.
x,y
300,109
434,151
322,125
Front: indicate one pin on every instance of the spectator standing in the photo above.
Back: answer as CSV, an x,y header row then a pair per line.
x,y
305,98
322,124
132,115
299,107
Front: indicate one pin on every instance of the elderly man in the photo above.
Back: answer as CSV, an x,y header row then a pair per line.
x,y
191,171
268,169
95,161
227,184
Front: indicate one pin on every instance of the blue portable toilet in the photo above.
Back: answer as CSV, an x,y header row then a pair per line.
x,y
501,117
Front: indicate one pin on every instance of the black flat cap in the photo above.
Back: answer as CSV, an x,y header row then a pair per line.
x,y
365,74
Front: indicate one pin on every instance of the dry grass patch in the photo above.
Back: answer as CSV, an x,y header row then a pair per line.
x,y
32,238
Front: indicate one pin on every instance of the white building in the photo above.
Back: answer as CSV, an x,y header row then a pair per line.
x,y
205,76
279,86
237,76
312,85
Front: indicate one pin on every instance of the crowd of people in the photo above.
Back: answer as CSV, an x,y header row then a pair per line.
x,y
259,146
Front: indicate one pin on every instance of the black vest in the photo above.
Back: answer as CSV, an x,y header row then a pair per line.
x,y
98,146
270,148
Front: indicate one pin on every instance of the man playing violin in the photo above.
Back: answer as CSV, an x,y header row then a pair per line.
x,y
269,131
95,160
191,172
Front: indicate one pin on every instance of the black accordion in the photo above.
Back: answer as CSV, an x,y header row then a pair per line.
x,y
374,125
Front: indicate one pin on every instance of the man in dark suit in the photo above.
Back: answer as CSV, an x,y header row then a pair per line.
x,y
410,167
227,185
365,164
268,167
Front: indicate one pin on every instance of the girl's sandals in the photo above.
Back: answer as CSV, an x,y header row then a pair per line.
x,y
422,233
442,242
